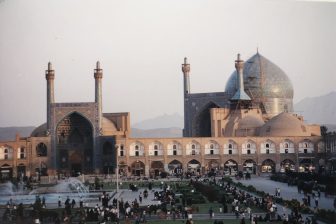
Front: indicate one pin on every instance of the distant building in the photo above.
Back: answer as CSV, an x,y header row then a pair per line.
x,y
249,127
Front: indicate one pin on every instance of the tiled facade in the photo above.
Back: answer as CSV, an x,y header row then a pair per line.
x,y
79,138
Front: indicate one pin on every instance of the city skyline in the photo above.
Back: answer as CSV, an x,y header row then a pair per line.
x,y
141,47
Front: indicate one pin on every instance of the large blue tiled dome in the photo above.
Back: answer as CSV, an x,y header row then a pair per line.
x,y
274,91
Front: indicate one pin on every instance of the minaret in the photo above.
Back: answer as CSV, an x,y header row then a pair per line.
x,y
240,95
98,75
186,92
50,75
186,70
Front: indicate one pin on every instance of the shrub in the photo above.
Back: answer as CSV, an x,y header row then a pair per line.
x,y
97,183
163,174
326,215
251,188
208,191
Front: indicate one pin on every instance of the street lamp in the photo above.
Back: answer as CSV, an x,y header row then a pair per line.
x,y
117,180
39,173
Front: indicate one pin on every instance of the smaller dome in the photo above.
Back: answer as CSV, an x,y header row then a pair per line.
x,y
40,131
108,126
284,124
249,122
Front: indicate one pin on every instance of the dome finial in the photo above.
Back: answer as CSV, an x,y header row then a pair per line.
x,y
98,65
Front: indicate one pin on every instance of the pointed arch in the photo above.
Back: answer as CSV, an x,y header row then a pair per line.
x,y
249,147
212,148
138,168
287,146
268,166
74,133
175,167
306,146
202,121
156,149
267,147
137,149
41,150
231,147
193,148
287,165
174,148
194,166
230,167
250,166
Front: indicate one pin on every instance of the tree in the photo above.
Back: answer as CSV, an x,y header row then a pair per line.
x,y
324,130
97,183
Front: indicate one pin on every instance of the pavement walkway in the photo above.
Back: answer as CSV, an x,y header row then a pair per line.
x,y
286,192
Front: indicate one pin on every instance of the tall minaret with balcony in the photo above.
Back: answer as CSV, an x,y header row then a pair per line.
x,y
186,82
186,92
240,95
50,76
98,75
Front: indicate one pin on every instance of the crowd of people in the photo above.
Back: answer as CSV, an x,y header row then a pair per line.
x,y
164,205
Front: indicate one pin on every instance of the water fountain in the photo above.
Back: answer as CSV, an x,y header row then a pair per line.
x,y
9,188
71,187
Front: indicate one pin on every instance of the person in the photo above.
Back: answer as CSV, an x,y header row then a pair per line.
x,y
308,199
73,203
59,201
307,221
210,212
316,201
140,197
81,202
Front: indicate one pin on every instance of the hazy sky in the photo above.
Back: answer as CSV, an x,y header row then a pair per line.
x,y
141,46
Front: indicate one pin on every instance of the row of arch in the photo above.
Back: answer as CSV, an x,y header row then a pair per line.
x,y
230,167
175,148
156,148
6,170
7,152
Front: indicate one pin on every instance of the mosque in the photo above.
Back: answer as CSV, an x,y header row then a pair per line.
x,y
249,127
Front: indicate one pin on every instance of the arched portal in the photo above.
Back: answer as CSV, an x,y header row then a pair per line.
x,y
230,167
268,166
138,168
175,167
287,165
21,171
194,166
250,166
156,168
202,122
306,165
6,172
122,168
74,144
213,165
